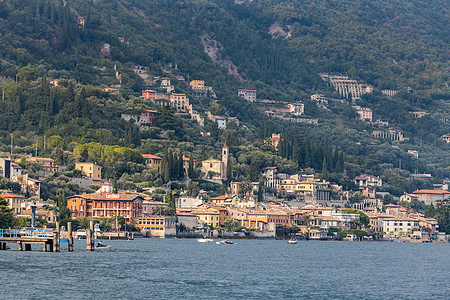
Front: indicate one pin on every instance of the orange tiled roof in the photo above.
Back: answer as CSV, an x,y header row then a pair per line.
x,y
151,156
10,195
223,197
437,192
107,196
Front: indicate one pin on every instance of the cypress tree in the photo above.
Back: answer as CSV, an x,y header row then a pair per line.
x,y
180,165
191,168
260,191
324,169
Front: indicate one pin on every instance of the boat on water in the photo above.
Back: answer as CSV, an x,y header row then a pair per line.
x,y
225,242
292,241
103,247
205,240
100,245
81,234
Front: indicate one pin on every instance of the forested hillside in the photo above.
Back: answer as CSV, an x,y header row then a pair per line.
x,y
276,47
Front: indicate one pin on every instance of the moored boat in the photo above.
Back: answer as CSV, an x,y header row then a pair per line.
x,y
81,234
205,240
292,241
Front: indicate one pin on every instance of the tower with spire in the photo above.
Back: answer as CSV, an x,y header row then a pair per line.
x,y
224,160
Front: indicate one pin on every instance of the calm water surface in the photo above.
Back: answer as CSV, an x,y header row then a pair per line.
x,y
250,269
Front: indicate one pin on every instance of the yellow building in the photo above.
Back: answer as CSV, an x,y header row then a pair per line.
x,y
207,216
292,185
152,161
210,214
258,218
408,197
90,170
14,202
197,84
224,200
157,226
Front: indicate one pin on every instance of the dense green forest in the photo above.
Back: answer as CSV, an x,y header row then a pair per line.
x,y
277,47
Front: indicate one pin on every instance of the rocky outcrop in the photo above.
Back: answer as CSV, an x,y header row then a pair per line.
x,y
215,51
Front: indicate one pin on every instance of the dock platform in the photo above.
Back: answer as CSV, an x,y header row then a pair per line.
x,y
25,238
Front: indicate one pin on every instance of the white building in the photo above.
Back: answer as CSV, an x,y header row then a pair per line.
x,y
368,180
188,202
296,108
394,226
249,95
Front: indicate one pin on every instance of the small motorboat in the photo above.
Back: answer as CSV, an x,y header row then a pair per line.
x,y
224,242
102,246
205,240
292,241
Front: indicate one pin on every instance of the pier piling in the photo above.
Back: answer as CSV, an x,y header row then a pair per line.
x,y
90,242
55,246
69,237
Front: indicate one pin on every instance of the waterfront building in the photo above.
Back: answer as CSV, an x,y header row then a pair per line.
x,y
157,226
398,226
148,206
127,205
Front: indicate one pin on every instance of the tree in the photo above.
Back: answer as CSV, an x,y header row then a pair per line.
x,y
306,219
192,188
7,219
363,218
231,225
170,200
191,172
260,191
246,188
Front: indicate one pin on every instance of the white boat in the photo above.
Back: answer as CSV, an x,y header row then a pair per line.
x,y
103,247
292,241
225,242
81,234
205,240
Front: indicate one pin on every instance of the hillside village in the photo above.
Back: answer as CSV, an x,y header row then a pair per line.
x,y
170,153
278,204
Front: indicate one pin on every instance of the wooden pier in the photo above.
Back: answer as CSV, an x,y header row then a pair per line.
x,y
49,239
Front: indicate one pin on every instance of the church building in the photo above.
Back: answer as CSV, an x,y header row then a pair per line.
x,y
214,168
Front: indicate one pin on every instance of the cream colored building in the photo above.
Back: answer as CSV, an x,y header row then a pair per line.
x,y
14,202
214,168
179,101
90,170
393,226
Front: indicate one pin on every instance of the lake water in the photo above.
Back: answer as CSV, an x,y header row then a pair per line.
x,y
249,269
